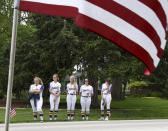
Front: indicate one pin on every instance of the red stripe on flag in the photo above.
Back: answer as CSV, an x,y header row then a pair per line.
x,y
114,36
48,9
157,8
132,18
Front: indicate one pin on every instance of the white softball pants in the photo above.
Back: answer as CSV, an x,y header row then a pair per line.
x,y
71,101
54,104
39,105
107,101
85,104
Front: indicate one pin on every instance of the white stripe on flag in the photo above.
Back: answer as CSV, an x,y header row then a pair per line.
x,y
148,14
72,3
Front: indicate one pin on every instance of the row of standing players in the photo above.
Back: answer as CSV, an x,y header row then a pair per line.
x,y
86,92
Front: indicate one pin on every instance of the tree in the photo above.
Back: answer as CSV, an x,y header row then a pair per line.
x,y
57,45
160,75
5,36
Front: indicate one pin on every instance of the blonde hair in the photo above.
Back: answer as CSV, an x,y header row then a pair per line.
x,y
39,79
74,81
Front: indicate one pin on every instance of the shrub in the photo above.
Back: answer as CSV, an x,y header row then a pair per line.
x,y
156,94
136,84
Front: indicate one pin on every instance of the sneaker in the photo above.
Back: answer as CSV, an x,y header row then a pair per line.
x,y
107,118
41,121
87,118
83,118
68,117
72,117
101,119
50,119
55,118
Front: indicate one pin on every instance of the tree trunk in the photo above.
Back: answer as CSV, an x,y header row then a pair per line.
x,y
93,81
117,89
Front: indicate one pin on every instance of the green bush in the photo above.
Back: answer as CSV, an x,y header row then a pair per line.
x,y
137,83
156,94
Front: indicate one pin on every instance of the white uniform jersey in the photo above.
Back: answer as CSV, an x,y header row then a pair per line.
x,y
37,87
56,87
86,90
104,89
71,89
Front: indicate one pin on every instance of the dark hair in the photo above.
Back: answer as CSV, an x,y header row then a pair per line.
x,y
108,80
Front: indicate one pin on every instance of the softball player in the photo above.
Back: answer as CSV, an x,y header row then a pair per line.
x,y
55,91
35,97
106,98
71,90
86,91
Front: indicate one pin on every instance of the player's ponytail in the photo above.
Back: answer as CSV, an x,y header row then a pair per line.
x,y
40,81
75,84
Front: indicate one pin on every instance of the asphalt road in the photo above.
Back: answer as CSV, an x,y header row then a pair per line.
x,y
116,125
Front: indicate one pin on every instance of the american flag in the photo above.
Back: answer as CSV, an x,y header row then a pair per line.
x,y
138,26
12,112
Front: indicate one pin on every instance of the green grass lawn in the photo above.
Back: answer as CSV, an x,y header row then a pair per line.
x,y
129,109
